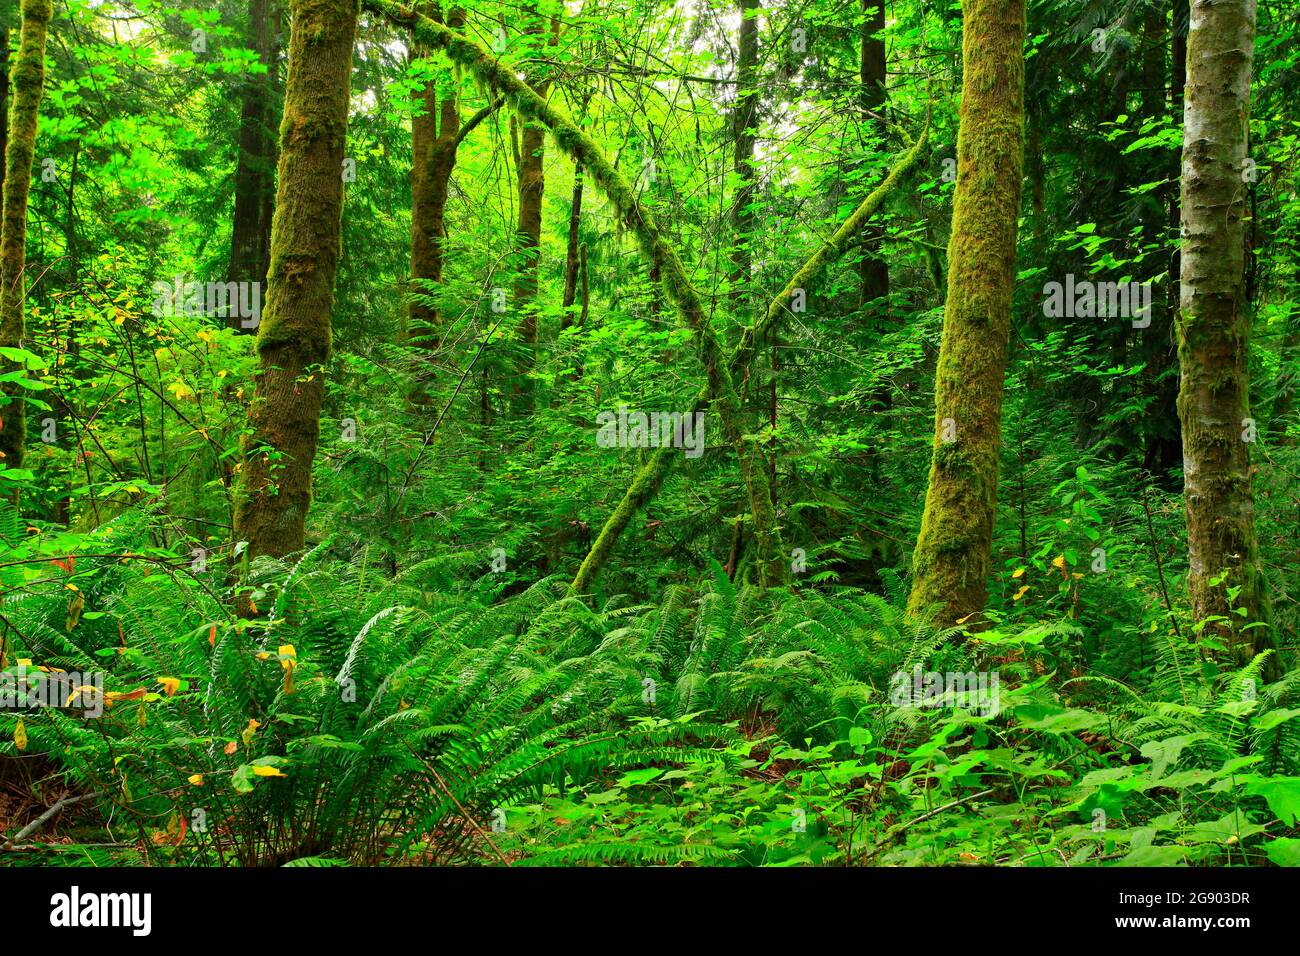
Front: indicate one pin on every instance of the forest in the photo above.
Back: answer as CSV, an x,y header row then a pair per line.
x,y
674,433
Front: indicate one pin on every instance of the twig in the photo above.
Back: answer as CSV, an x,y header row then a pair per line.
x,y
896,830
36,824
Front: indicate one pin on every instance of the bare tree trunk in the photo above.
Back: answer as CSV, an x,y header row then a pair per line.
x,y
28,82
1164,449
294,338
1214,324
873,268
532,188
951,561
744,118
435,137
250,240
571,263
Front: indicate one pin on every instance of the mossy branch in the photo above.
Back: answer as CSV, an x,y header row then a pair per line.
x,y
651,475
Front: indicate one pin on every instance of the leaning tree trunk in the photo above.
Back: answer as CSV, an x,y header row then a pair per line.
x,y
1214,327
651,474
951,562
293,341
28,83
250,234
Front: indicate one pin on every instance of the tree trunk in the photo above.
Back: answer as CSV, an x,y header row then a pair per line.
x,y
873,268
951,562
1213,326
571,256
4,107
250,241
744,118
435,137
28,82
532,187
294,338
1164,449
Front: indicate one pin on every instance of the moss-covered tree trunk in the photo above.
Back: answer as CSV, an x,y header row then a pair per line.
x,y
28,83
250,239
4,106
435,137
1214,325
293,341
951,561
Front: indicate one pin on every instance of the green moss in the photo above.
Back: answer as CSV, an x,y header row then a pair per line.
x,y
951,560
27,82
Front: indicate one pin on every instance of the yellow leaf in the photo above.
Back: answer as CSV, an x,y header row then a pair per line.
x,y
247,733
1018,573
80,690
20,735
182,391
261,771
196,779
288,660
963,620
231,747
75,607
1059,562
1021,593
170,684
